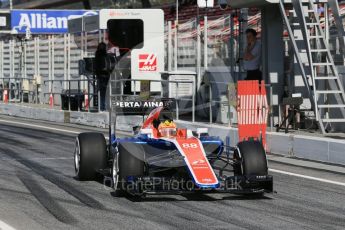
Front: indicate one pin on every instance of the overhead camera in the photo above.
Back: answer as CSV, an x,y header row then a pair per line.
x,y
223,4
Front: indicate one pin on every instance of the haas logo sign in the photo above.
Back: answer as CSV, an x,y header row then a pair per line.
x,y
147,62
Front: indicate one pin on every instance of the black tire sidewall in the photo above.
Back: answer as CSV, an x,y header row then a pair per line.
x,y
131,162
252,158
93,155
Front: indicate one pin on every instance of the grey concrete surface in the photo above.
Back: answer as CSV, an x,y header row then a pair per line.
x,y
38,113
44,113
38,191
306,164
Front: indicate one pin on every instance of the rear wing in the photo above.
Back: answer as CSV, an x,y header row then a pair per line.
x,y
141,107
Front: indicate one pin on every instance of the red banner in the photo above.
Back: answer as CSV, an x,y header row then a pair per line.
x,y
252,111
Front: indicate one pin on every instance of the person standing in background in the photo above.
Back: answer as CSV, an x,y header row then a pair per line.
x,y
252,56
102,72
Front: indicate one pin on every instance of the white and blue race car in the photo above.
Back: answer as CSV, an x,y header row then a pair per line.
x,y
161,158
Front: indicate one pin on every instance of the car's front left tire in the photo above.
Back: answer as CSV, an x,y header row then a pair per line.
x,y
129,161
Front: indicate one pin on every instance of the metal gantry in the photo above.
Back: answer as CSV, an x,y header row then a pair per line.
x,y
318,69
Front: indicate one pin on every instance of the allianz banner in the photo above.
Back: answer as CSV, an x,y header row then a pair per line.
x,y
45,21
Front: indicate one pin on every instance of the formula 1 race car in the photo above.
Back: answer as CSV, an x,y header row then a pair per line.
x,y
163,159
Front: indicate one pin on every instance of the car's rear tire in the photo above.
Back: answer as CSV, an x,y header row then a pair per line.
x,y
129,161
90,155
251,159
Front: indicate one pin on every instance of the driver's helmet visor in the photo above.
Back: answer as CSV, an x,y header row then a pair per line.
x,y
167,129
168,132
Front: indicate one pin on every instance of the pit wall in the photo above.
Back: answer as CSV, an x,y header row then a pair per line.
x,y
321,149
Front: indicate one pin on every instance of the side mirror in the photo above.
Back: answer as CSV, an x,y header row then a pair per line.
x,y
136,130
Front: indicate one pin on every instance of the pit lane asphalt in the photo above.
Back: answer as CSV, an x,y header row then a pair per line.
x,y
38,191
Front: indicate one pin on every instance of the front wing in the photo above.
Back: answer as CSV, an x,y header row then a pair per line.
x,y
164,185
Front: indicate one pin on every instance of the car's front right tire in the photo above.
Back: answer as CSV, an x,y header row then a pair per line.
x,y
90,155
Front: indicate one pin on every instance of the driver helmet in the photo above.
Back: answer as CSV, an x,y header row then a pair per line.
x,y
167,129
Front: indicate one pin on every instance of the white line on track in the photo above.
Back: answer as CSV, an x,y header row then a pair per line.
x,y
272,170
307,177
4,226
